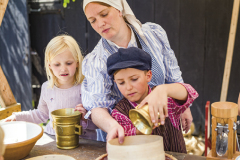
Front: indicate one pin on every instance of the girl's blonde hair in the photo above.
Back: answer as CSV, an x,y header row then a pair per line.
x,y
57,46
2,145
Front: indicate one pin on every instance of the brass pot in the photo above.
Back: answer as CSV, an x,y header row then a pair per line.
x,y
66,123
141,119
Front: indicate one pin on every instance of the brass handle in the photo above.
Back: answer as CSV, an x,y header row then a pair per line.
x,y
79,129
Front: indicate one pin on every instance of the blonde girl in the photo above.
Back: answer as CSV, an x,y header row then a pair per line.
x,y
57,46
63,61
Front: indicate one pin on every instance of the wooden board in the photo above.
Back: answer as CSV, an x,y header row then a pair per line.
x,y
6,95
75,23
224,157
6,112
191,60
146,13
218,19
87,150
167,15
3,6
231,42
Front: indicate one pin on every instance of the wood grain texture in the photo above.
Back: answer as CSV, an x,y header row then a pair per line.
x,y
87,150
191,53
224,110
3,6
214,135
230,138
6,112
5,91
224,157
230,49
167,15
15,57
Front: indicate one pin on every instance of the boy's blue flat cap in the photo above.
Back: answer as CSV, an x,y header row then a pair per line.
x,y
128,58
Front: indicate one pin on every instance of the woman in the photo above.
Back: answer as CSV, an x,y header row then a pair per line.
x,y
118,27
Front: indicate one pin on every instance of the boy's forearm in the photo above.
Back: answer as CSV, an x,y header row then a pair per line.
x,y
176,91
102,119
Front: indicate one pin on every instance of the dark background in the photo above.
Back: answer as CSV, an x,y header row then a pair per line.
x,y
198,32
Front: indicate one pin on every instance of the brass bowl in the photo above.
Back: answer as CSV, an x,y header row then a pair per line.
x,y
66,123
141,119
66,116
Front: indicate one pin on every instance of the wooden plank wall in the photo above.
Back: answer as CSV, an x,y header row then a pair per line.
x,y
192,30
15,52
197,31
3,6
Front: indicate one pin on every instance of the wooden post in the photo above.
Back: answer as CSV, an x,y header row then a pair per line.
x,y
3,6
214,134
230,49
7,100
231,136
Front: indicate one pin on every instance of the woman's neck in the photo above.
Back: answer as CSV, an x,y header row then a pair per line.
x,y
124,36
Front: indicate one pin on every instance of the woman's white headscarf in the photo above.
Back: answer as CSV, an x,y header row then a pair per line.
x,y
127,13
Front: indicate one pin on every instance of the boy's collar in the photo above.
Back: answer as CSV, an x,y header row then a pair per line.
x,y
134,104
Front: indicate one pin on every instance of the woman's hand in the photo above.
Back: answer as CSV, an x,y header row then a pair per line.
x,y
186,119
157,102
81,109
10,118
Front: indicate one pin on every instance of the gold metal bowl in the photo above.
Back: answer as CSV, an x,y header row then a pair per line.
x,y
141,119
66,116
66,123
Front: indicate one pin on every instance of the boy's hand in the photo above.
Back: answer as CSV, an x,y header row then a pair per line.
x,y
157,102
10,118
81,109
116,131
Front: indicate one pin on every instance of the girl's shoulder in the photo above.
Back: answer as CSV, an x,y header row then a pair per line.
x,y
45,85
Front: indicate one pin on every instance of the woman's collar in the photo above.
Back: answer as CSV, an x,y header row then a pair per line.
x,y
131,43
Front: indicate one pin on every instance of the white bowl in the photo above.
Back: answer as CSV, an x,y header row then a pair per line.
x,y
20,137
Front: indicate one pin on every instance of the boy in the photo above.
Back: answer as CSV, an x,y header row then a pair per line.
x,y
131,70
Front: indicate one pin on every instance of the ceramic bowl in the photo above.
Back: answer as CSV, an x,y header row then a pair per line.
x,y
140,147
20,137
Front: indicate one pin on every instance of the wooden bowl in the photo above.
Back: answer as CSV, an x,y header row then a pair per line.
x,y
140,147
105,157
20,137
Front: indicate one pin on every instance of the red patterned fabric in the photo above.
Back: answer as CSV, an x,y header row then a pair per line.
x,y
174,111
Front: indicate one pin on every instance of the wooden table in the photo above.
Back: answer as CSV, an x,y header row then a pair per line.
x,y
87,150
